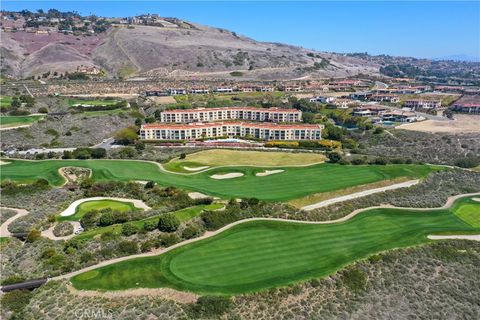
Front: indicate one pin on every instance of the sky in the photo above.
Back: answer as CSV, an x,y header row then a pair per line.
x,y
420,29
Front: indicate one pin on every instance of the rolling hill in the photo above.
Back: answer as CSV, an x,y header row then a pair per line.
x,y
190,51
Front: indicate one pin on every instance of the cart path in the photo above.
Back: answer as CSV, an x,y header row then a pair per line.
x,y
209,234
359,194
4,227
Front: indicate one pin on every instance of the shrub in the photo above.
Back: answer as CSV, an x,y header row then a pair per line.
x,y
191,231
210,307
168,240
106,219
468,162
150,225
358,161
42,110
334,157
127,247
129,229
98,153
63,229
89,219
168,223
182,156
33,236
150,185
380,161
354,279
16,300
126,136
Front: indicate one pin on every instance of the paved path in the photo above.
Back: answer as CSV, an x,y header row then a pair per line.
x,y
475,237
4,227
73,206
49,232
209,234
360,194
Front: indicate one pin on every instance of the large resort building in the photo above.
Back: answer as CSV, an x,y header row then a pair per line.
x,y
265,131
226,114
201,123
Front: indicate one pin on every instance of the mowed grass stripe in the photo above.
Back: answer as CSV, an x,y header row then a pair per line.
x,y
290,184
258,255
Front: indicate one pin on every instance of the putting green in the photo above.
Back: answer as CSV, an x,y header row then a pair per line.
x,y
87,206
294,182
470,213
258,255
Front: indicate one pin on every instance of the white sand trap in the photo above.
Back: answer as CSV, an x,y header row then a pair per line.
x,y
2,163
197,195
268,172
195,168
476,199
227,175
474,237
141,181
73,206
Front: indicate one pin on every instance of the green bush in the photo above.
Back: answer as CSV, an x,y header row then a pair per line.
x,y
354,279
16,300
127,247
150,225
129,229
468,162
168,223
210,307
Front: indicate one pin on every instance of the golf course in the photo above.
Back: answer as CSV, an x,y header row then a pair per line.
x,y
98,205
260,254
10,121
291,183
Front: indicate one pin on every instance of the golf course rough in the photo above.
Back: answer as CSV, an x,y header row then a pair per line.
x,y
262,254
294,182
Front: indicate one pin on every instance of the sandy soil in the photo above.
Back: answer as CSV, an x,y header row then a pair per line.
x,y
462,124
268,172
2,163
73,206
195,168
7,127
227,175
167,293
163,100
197,195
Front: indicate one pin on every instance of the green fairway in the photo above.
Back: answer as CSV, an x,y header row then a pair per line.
x,y
470,213
92,102
98,205
293,183
8,121
258,255
183,215
5,101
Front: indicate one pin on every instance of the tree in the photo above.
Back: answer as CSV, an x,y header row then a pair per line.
x,y
182,156
98,153
168,223
308,117
138,122
191,231
16,300
210,307
150,185
126,136
468,162
140,146
67,154
129,229
334,157
106,219
34,235
89,219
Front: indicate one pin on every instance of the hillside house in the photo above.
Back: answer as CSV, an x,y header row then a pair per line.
x,y
423,104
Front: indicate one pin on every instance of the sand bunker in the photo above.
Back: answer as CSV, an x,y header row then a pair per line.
x,y
227,175
476,199
268,172
197,195
2,163
195,168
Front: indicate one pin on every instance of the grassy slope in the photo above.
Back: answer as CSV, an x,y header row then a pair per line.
x,y
5,101
264,254
183,215
14,120
290,184
85,207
